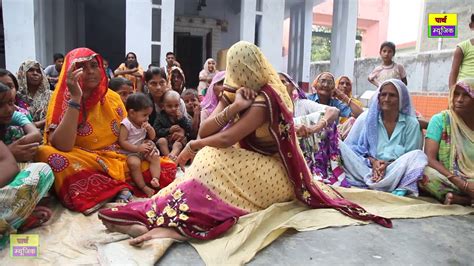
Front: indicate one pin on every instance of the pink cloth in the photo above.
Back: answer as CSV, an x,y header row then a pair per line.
x,y
136,135
383,73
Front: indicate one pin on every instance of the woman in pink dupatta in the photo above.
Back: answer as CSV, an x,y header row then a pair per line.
x,y
245,168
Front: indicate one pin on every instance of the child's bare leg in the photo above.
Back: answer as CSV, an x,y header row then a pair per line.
x,y
177,147
155,170
159,232
133,230
134,164
163,146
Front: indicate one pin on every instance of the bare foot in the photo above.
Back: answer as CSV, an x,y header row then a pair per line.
x,y
452,198
148,191
159,232
155,182
132,230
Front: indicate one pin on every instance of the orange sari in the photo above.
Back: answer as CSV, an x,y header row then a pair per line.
x,y
94,171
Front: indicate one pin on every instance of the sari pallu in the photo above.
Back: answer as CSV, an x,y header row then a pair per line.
x,y
93,171
196,211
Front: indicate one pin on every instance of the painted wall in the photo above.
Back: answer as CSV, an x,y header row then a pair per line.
x,y
271,32
138,30
426,72
463,8
372,19
19,28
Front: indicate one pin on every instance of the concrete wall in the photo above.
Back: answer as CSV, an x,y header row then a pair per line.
x,y
463,8
425,71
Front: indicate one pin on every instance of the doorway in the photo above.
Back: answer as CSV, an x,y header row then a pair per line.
x,y
188,50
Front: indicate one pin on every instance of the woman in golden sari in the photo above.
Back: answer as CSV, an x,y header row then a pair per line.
x,y
82,128
250,165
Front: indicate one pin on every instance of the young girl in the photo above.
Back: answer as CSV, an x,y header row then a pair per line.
x,y
169,121
136,136
193,108
388,69
122,86
463,60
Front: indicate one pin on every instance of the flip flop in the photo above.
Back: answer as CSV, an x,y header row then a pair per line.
x,y
38,217
123,196
400,192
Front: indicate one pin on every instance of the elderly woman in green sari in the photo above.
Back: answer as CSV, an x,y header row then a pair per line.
x,y
449,146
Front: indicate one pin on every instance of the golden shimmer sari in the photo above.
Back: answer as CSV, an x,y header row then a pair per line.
x,y
223,184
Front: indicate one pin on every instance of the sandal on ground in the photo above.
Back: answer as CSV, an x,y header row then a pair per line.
x,y
400,192
38,217
123,196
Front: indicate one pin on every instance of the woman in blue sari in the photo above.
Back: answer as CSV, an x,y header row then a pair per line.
x,y
382,151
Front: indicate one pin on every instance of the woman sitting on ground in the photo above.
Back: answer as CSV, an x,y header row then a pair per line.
x,y
318,133
382,151
177,80
206,75
325,92
344,85
132,71
213,95
449,145
20,190
34,91
81,137
233,181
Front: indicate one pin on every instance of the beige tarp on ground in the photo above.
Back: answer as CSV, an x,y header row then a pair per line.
x,y
72,238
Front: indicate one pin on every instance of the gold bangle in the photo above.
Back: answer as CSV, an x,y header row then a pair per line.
x,y
188,146
349,102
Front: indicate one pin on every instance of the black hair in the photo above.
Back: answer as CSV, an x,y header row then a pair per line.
x,y
116,83
390,45
4,72
4,88
138,101
129,53
154,65
58,56
190,92
152,71
472,18
169,53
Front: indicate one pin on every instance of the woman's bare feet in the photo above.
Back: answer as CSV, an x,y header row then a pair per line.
x,y
132,230
159,232
452,198
148,191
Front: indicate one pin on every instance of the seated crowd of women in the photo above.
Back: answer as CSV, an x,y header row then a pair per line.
x,y
260,140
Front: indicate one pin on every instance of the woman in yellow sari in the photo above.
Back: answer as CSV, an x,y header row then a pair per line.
x,y
82,128
250,165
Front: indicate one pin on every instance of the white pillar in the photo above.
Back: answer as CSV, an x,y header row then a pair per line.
x,y
19,29
167,28
247,20
343,34
138,30
299,54
272,19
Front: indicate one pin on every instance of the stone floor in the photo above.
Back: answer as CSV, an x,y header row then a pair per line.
x,y
444,240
